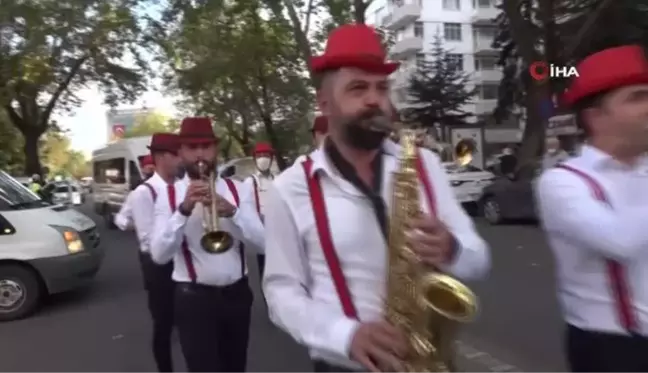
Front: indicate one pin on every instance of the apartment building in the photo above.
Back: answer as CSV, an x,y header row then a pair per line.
x,y
467,30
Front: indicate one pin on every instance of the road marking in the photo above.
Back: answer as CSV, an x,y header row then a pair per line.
x,y
484,359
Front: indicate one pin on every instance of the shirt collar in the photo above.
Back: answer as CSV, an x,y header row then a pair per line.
x,y
600,160
321,162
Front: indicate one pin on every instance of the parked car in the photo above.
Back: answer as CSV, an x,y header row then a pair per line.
x,y
510,198
64,193
44,249
468,182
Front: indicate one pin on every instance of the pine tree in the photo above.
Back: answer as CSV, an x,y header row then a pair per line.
x,y
438,90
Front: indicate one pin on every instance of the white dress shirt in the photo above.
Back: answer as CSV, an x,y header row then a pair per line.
x,y
583,232
263,183
139,209
298,286
211,269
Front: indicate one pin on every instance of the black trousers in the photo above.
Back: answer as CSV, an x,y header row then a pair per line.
x,y
160,292
214,325
261,263
590,351
323,366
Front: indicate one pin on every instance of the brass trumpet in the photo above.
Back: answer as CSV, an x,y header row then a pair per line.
x,y
214,241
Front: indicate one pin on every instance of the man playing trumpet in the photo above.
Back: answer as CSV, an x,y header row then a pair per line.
x,y
213,299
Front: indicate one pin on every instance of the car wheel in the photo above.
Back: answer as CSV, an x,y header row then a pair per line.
x,y
108,217
492,211
20,292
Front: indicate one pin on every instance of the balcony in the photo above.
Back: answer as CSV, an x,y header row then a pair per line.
x,y
402,16
406,47
483,46
485,16
488,75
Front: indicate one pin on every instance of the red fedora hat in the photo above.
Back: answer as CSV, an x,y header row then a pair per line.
x,y
354,45
320,125
262,147
146,160
197,130
605,70
162,141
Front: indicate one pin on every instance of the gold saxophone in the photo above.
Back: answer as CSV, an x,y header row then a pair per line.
x,y
427,305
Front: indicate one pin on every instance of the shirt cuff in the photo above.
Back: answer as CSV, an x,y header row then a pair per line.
x,y
455,253
178,219
122,222
341,335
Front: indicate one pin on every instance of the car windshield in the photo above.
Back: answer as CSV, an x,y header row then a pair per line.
x,y
15,196
65,189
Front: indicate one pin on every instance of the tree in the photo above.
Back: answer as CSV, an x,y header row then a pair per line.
x,y
150,123
12,158
253,85
438,90
560,32
49,50
60,159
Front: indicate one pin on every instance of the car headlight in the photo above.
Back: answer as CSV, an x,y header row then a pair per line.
x,y
73,242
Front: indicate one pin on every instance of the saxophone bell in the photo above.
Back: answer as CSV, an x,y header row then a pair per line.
x,y
214,241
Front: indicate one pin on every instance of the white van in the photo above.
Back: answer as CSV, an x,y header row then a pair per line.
x,y
44,249
115,172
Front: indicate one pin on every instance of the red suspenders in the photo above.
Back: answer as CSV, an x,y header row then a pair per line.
x,y
191,270
237,201
256,194
323,230
616,271
152,190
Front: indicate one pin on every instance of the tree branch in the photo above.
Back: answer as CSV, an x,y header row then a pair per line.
x,y
62,87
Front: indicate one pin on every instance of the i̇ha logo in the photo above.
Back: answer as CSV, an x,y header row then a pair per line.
x,y
542,71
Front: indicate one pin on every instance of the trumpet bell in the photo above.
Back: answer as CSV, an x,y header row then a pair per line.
x,y
449,297
216,242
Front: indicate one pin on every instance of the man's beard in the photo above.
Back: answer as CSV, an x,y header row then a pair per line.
x,y
148,176
359,133
193,171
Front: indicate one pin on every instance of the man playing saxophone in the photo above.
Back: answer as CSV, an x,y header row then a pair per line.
x,y
326,222
213,299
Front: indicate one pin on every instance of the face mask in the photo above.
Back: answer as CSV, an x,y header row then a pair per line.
x,y
358,134
263,163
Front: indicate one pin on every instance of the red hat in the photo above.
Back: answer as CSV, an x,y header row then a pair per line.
x,y
608,69
197,130
164,142
262,147
320,125
146,160
354,45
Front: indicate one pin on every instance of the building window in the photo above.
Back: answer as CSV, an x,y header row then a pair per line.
x,y
452,4
488,91
452,31
456,60
485,63
485,3
419,29
487,33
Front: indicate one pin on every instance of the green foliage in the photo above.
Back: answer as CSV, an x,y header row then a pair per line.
x,y
57,48
438,92
150,123
60,159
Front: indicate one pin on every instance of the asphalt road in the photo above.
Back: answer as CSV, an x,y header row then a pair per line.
x,y
106,327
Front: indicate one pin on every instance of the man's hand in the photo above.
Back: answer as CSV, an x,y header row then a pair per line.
x,y
197,192
379,347
225,209
431,240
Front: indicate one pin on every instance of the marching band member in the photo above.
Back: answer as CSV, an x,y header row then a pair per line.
x,y
259,183
318,130
139,211
326,218
148,167
594,209
213,299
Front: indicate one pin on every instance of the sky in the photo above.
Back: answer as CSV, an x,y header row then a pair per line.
x,y
87,126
